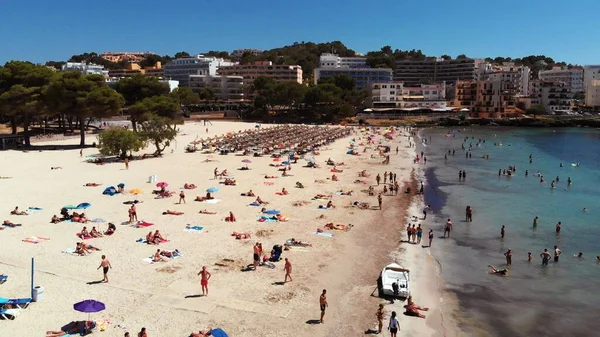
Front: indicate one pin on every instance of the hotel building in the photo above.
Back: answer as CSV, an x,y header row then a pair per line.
x,y
397,96
135,69
278,72
181,69
85,68
571,78
553,96
228,88
591,83
436,71
353,67
487,99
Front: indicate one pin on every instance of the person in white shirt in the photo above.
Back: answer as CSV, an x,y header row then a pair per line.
x,y
394,325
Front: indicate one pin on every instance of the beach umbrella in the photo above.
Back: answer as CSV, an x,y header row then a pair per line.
x,y
218,333
212,190
84,205
89,306
247,161
162,184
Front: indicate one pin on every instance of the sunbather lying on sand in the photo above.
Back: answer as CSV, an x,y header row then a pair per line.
x,y
55,219
92,184
335,170
284,191
299,185
169,254
201,333
229,182
76,217
341,192
364,174
322,196
361,205
334,177
295,242
339,227
94,233
241,236
88,248
207,197
270,177
80,249
169,212
260,201
10,224
72,328
205,211
248,194
189,186
358,181
55,167
285,174
17,212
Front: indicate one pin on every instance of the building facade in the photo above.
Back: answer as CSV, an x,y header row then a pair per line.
x,y
487,99
225,88
571,78
117,57
278,72
355,67
591,83
396,95
335,61
436,71
181,69
553,96
85,68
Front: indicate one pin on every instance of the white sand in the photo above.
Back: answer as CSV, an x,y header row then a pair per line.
x,y
242,303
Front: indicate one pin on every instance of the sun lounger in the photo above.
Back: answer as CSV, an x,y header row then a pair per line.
x,y
9,314
20,303
266,219
327,235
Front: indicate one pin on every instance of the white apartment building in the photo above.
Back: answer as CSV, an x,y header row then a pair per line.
x,y
396,95
520,76
572,78
229,88
553,96
335,61
591,84
181,69
85,68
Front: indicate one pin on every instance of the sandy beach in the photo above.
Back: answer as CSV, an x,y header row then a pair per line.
x,y
164,297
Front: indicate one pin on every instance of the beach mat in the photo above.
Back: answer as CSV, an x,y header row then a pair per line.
x,y
35,239
142,240
70,251
211,201
194,229
327,235
142,224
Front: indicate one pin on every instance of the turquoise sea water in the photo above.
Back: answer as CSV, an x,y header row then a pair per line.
x,y
558,300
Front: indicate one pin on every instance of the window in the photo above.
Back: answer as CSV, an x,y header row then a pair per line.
x,y
384,86
392,86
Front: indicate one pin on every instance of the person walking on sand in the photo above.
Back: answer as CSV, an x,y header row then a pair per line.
x,y
181,197
142,333
205,276
216,173
105,265
323,304
394,326
288,270
379,201
378,179
380,314
80,153
126,163
256,255
419,233
133,214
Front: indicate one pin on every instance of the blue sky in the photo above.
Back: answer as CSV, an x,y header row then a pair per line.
x,y
42,30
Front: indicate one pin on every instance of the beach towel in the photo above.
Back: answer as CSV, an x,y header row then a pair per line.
x,y
85,237
98,220
33,209
193,229
268,183
327,235
14,225
322,208
132,202
142,224
35,239
272,212
211,201
164,258
266,219
254,204
69,251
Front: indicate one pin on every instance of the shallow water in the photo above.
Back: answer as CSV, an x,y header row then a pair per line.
x,y
559,299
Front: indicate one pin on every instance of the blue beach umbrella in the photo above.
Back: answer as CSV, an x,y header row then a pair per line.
x,y
212,190
84,205
89,306
218,333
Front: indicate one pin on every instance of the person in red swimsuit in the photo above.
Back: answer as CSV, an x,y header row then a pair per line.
x,y
205,276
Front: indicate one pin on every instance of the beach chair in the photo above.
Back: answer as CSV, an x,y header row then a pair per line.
x,y
9,314
21,303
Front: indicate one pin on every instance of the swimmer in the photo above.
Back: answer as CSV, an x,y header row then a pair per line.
x,y
580,255
501,272
585,209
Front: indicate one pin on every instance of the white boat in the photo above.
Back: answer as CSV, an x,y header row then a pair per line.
x,y
394,273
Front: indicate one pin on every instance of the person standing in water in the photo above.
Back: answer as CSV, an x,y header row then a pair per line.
x,y
508,256
569,181
502,232
430,237
545,257
558,226
557,253
529,258
535,222
447,228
